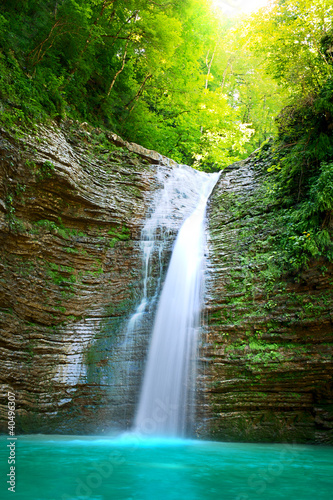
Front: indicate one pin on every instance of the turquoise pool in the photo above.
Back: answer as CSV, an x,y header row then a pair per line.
x,y
133,468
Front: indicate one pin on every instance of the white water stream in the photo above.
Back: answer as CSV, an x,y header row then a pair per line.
x,y
170,369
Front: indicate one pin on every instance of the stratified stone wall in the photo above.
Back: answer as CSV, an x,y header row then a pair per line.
x,y
266,357
71,213
72,205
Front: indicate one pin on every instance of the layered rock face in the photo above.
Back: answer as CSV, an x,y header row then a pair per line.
x,y
266,356
72,207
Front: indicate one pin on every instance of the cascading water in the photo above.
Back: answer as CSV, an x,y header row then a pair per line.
x,y
169,374
177,196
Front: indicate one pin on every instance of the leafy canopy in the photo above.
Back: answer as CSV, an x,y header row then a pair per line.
x,y
296,36
172,76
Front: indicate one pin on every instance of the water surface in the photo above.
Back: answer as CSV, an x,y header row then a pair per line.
x,y
82,468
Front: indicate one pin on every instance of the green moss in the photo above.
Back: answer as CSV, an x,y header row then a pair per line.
x,y
255,314
60,275
57,227
122,234
71,250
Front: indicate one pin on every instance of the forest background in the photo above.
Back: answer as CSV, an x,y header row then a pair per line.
x,y
179,77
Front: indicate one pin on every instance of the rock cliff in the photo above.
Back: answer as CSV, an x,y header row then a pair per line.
x,y
72,204
266,357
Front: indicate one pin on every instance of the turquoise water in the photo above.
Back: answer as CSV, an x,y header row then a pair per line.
x,y
82,468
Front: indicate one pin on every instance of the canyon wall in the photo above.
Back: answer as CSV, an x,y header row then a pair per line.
x,y
72,205
266,355
73,201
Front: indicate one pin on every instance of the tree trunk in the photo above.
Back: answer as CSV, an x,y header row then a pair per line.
x,y
148,76
118,72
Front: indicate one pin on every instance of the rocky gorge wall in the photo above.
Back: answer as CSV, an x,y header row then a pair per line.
x,y
72,204
266,356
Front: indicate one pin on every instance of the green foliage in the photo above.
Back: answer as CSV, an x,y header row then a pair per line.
x,y
54,227
44,171
171,76
321,190
122,234
296,38
47,224
294,35
255,351
304,218
60,275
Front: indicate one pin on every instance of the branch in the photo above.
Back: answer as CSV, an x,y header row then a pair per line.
x,y
37,54
300,184
118,72
175,115
180,138
120,29
209,64
230,60
161,6
148,76
288,145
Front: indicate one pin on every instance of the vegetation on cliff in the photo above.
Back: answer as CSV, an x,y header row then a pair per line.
x,y
173,76
270,333
270,321
297,38
180,78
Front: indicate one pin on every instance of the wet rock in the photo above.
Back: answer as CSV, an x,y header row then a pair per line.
x,y
72,204
71,214
266,355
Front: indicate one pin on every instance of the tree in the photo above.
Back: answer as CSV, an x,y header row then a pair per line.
x,y
289,34
172,76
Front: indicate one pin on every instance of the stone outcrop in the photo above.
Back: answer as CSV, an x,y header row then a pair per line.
x,y
266,356
72,206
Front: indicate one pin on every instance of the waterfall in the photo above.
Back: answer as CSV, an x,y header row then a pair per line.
x,y
170,368
177,194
